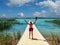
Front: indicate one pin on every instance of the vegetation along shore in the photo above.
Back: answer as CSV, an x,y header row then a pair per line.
x,y
56,21
7,23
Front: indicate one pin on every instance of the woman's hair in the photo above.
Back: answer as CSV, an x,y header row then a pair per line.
x,y
31,22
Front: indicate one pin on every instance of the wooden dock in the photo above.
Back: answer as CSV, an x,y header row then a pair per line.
x,y
38,39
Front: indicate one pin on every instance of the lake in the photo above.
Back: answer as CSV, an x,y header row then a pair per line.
x,y
43,27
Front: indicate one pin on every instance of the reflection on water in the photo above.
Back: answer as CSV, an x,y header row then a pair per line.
x,y
43,27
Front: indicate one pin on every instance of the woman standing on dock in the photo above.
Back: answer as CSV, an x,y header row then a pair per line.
x,y
31,28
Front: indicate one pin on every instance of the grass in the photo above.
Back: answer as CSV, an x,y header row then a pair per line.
x,y
7,23
53,39
56,21
8,39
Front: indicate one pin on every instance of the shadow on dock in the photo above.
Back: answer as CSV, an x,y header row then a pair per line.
x,y
38,39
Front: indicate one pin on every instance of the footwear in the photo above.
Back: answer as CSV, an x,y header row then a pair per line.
x,y
32,38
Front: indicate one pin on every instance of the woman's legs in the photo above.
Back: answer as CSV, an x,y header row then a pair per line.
x,y
30,34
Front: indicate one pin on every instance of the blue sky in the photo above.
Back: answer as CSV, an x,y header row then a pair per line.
x,y
42,8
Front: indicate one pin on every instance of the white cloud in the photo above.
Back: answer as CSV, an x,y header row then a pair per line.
x,y
3,15
50,3
53,7
40,14
37,14
21,14
47,3
43,11
8,4
18,2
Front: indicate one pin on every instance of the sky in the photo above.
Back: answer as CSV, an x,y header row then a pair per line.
x,y
33,8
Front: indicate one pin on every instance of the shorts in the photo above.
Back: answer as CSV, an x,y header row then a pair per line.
x,y
30,29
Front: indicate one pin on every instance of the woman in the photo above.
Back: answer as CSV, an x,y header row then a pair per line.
x,y
31,28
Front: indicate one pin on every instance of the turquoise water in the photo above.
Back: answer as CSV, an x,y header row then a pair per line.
x,y
43,27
